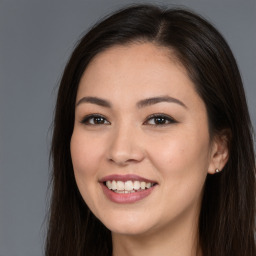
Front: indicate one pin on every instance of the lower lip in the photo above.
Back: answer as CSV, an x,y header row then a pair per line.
x,y
128,198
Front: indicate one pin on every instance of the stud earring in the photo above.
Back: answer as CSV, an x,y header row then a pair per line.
x,y
217,170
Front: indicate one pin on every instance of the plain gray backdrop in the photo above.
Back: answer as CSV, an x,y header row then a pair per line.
x,y
36,39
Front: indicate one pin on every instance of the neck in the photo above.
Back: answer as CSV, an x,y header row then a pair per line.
x,y
175,240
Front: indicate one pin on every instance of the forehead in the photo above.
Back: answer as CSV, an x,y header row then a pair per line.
x,y
138,70
136,54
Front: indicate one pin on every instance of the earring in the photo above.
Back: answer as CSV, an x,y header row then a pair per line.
x,y
217,170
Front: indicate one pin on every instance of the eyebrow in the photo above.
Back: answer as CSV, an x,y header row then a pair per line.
x,y
94,100
140,104
155,100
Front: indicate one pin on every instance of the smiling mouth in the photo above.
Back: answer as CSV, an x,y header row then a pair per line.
x,y
129,186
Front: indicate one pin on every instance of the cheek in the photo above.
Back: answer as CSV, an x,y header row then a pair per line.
x,y
85,153
85,160
182,165
182,160
179,151
184,146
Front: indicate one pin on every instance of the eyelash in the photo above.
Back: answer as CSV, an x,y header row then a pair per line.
x,y
86,120
163,120
161,117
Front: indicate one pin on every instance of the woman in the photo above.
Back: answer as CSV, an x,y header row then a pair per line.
x,y
152,146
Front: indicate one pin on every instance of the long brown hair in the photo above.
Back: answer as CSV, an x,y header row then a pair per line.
x,y
227,217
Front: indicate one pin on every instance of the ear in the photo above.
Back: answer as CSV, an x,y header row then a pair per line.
x,y
219,151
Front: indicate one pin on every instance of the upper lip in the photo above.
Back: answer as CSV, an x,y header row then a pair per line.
x,y
118,177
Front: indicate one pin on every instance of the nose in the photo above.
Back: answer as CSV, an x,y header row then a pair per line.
x,y
125,147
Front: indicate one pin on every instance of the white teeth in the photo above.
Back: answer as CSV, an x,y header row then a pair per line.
x,y
109,184
136,185
114,185
148,185
120,185
128,186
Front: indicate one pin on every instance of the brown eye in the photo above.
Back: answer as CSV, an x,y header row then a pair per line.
x,y
159,120
95,120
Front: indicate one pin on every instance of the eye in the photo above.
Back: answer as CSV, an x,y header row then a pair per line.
x,y
159,120
95,120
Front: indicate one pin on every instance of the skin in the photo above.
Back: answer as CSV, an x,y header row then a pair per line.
x,y
177,155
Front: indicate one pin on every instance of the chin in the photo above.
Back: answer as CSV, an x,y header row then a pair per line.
x,y
131,230
128,224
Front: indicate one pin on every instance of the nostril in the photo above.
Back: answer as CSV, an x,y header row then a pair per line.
x,y
121,161
125,160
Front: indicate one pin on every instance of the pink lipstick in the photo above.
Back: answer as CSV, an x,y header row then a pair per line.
x,y
126,188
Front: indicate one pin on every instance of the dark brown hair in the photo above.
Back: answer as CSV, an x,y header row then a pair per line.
x,y
227,217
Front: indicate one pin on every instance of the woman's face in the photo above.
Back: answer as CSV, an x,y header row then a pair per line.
x,y
140,146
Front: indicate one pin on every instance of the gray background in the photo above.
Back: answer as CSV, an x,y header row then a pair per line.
x,y
36,38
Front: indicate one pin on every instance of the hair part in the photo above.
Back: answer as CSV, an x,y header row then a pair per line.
x,y
226,223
